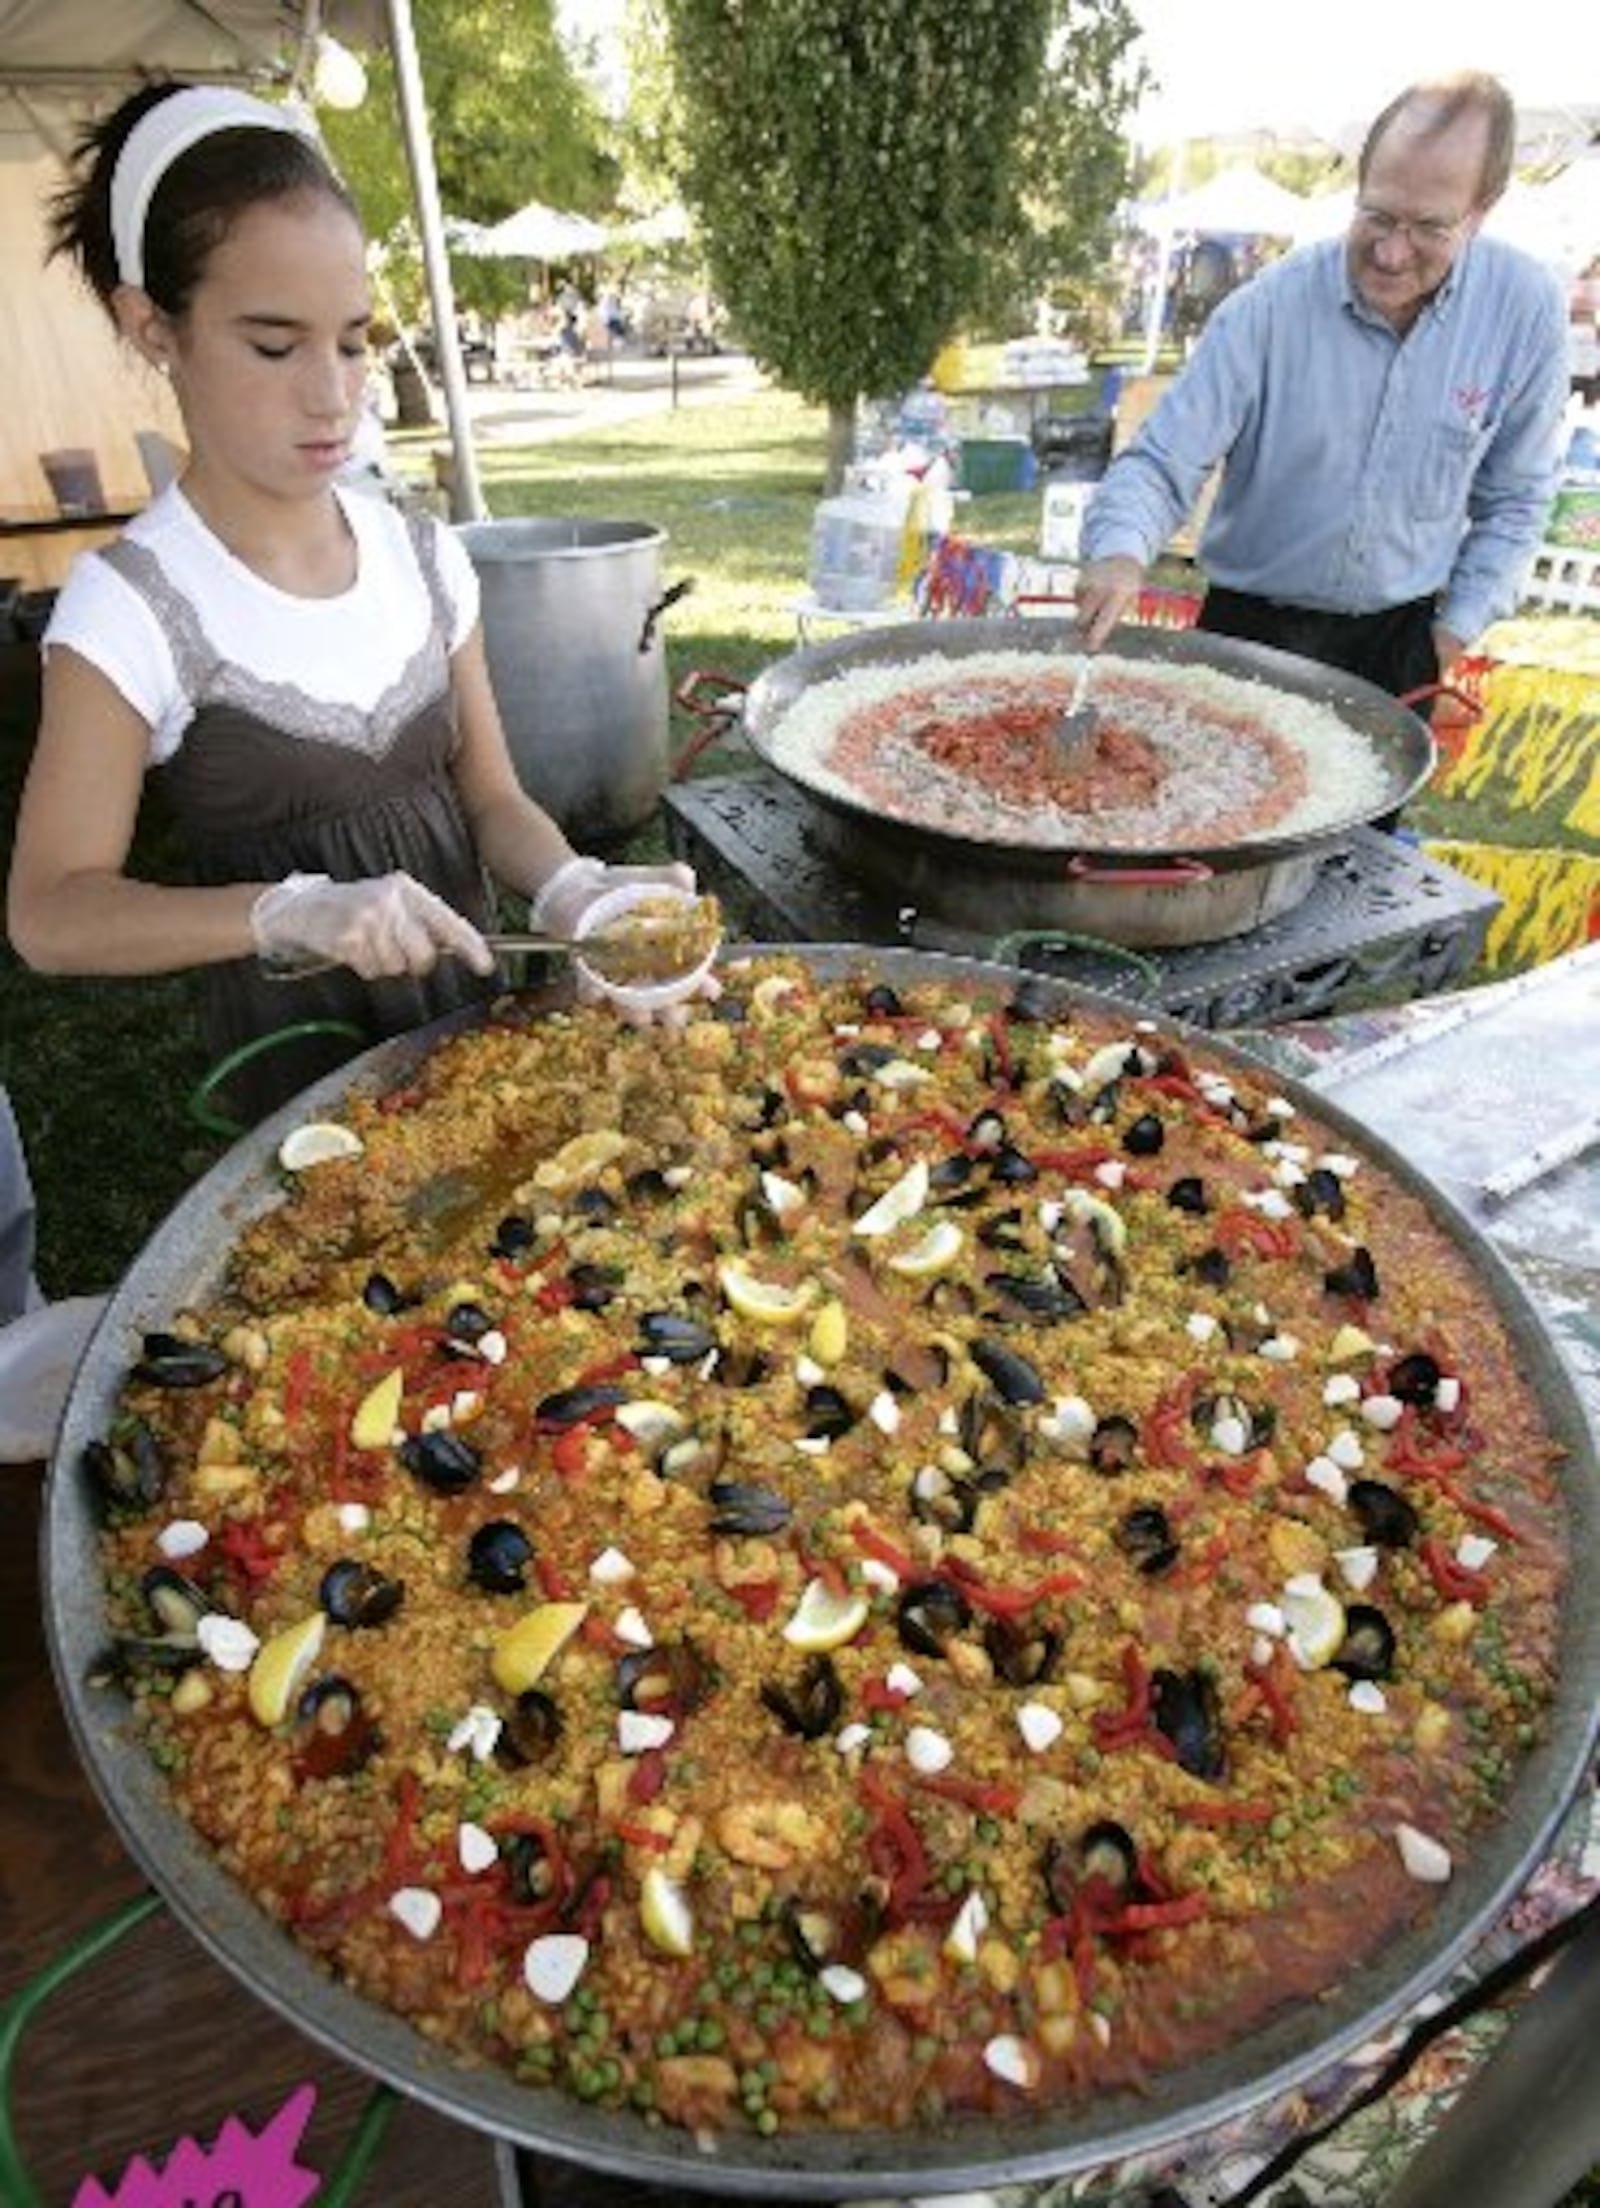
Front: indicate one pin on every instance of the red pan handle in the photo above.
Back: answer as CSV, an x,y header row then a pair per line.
x,y
1178,874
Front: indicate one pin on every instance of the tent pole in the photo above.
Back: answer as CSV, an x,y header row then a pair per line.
x,y
466,494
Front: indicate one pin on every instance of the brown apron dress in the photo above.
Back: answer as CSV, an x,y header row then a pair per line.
x,y
269,780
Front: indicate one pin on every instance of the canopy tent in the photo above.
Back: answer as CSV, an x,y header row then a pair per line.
x,y
1237,202
539,233
1558,220
61,61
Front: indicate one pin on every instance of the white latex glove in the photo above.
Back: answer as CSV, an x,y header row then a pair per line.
x,y
389,925
576,883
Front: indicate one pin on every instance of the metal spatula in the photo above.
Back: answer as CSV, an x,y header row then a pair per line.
x,y
1072,735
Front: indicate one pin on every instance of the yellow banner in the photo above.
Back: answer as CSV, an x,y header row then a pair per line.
x,y
1550,899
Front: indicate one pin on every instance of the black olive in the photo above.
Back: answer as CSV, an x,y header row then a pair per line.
x,y
882,1003
468,1322
1367,1650
1211,1268
1387,1519
1188,1194
513,1238
381,1295
498,1556
595,1206
594,1286
1146,1136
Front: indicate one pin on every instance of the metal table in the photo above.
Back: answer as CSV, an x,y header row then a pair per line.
x,y
1380,917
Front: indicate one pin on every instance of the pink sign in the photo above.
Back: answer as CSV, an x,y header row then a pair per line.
x,y
240,2169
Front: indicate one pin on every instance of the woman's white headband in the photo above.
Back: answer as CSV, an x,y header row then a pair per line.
x,y
160,137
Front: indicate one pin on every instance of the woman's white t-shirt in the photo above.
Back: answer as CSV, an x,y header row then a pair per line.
x,y
350,650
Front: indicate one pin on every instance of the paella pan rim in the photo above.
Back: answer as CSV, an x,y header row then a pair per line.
x,y
180,1263
1403,740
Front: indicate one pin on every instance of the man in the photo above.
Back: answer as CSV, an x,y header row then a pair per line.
x,y
1387,411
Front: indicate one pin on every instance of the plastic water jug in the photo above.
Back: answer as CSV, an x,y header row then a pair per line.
x,y
855,550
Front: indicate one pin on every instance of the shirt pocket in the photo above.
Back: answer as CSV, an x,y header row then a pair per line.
x,y
1446,466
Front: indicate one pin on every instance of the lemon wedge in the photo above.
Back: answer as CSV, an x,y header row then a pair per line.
x,y
1316,1621
897,1204
824,1619
665,1913
280,1668
580,1159
522,1655
830,1330
938,1249
317,1143
378,1413
765,1301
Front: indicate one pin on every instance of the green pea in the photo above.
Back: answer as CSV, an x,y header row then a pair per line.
x,y
709,2035
767,2122
1281,1826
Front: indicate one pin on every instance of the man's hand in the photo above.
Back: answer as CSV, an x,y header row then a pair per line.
x,y
1108,590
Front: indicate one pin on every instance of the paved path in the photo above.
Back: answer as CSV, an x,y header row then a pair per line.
x,y
622,391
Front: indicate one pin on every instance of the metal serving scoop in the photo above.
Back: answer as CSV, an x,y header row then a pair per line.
x,y
1075,731
611,952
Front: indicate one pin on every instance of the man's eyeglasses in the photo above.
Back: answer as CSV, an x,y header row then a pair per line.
x,y
1430,232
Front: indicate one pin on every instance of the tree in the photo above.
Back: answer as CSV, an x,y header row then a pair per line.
x,y
868,172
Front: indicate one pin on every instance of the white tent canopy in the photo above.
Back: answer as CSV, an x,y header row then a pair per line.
x,y
539,233
1237,202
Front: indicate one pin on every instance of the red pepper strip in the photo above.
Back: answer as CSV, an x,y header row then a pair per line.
x,y
894,1846
247,1552
1237,1474
1134,1716
325,1920
1412,1449
1004,1063
1199,1568
554,1583
474,1923
643,1836
569,1452
1456,1582
1045,1541
757,1598
1226,1813
1009,1602
594,1376
296,1382
943,1123
556,1295
872,1543
599,1633
648,1776
1165,1436
1270,1685
1238,1230
1487,1515
400,1100
989,1798
877,1694
586,1921
399,1849
1077,1165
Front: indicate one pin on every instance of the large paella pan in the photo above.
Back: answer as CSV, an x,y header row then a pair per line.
x,y
915,792
1004,2138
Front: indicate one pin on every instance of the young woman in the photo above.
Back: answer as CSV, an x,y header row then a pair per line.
x,y
302,672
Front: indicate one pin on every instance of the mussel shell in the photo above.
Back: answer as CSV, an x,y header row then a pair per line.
x,y
1034,1003
828,1412
813,1705
594,1286
1415,1378
1185,1707
929,1615
675,1678
131,1657
860,1060
1022,1655
357,1594
514,1237
1113,1445
1011,1168
382,1295
1005,1230
1387,1518
943,1499
498,1556
670,1334
441,1460
596,1207
952,1175
1320,1191
168,1361
529,1730
1106,1851
1367,1650
882,1002
1047,1298
812,1934
741,1368
334,1737
1357,1277
1014,1379
468,1322
531,1876
176,1604
575,1406
1213,1268
129,1471
1146,1538
648,1186
1188,1193
743,1508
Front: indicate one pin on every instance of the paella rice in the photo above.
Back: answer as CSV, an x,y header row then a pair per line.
x,y
909,1550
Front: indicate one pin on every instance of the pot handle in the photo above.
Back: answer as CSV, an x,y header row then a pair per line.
x,y
1453,735
1178,874
719,715
668,599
